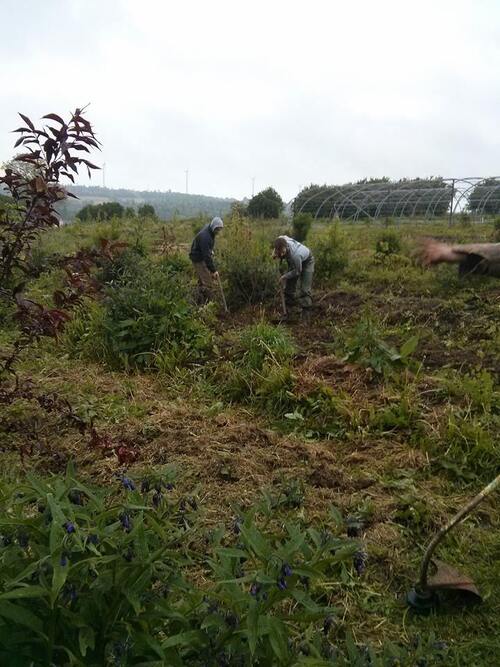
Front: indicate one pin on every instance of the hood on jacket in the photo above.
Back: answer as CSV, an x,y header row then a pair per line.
x,y
216,224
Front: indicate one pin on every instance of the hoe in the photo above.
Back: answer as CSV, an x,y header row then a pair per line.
x,y
424,596
222,295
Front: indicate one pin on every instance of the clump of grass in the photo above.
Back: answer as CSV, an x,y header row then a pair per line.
x,y
262,342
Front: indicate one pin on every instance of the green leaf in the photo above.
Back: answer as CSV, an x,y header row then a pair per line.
x,y
231,553
253,627
86,639
336,516
20,615
256,541
58,577
146,639
24,592
409,347
189,638
278,638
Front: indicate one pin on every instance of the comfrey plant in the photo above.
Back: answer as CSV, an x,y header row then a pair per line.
x,y
127,576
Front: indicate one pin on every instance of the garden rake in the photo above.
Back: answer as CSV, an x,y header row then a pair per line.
x,y
424,597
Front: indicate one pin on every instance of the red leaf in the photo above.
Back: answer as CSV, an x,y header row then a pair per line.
x,y
27,121
79,147
54,116
89,164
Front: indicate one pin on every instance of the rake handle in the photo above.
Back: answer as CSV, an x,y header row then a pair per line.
x,y
424,569
222,293
283,302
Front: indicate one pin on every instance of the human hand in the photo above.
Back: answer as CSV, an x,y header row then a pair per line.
x,y
434,252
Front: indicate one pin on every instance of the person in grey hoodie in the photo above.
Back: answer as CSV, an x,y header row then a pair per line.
x,y
201,254
300,270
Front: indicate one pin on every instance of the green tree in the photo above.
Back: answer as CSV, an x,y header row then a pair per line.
x,y
146,211
266,204
104,211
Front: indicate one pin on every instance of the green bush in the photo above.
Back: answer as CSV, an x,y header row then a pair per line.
x,y
330,252
265,204
366,346
84,335
104,211
96,578
124,268
301,224
387,244
246,266
146,317
146,211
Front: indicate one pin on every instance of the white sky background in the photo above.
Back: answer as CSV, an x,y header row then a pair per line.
x,y
289,92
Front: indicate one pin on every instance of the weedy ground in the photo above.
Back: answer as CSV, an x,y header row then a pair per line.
x,y
385,404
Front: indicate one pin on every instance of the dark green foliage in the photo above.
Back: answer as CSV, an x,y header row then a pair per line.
x,y
260,343
147,320
330,252
249,273
146,211
366,346
387,244
301,224
129,212
265,204
124,268
105,211
5,201
103,578
259,370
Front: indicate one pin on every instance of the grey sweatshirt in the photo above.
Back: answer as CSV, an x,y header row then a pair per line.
x,y
480,258
296,255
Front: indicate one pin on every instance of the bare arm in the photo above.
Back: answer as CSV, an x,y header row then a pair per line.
x,y
435,252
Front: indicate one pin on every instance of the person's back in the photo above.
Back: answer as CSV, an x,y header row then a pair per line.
x,y
201,254
300,269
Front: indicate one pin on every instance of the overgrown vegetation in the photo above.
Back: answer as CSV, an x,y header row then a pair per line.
x,y
145,319
301,225
314,460
246,265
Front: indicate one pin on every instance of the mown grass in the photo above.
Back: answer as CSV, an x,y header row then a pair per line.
x,y
401,444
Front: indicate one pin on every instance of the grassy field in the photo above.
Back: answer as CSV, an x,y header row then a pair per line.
x,y
382,407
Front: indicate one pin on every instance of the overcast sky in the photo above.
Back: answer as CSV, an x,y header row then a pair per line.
x,y
287,92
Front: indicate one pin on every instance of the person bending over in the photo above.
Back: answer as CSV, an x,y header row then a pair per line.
x,y
300,271
201,255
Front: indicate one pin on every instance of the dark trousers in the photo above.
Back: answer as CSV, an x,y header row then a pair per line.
x,y
304,284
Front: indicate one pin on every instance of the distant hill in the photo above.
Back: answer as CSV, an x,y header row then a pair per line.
x,y
166,204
